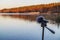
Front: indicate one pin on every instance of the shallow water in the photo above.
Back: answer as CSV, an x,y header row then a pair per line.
x,y
19,29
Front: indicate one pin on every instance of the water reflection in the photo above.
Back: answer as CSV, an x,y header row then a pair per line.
x,y
18,29
30,18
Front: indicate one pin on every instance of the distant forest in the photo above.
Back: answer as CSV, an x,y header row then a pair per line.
x,y
42,8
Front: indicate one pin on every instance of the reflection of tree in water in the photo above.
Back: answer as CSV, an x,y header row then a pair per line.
x,y
33,18
58,25
25,17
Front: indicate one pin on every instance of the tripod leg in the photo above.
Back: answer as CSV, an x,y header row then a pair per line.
x,y
42,33
51,30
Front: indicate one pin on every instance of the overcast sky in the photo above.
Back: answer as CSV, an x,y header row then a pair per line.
x,y
18,3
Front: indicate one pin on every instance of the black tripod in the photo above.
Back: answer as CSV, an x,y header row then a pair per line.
x,y
43,22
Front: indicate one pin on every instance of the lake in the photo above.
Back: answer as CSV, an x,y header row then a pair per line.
x,y
20,29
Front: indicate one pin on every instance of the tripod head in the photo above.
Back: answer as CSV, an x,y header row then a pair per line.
x,y
42,20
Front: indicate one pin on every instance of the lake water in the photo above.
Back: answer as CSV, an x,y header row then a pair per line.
x,y
19,29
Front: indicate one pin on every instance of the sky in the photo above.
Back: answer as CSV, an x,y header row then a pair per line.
x,y
19,3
